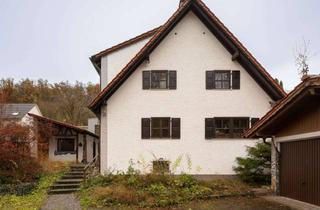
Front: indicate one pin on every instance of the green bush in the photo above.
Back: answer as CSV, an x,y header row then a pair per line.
x,y
256,167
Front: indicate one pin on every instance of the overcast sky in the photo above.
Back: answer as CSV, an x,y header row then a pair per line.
x,y
52,39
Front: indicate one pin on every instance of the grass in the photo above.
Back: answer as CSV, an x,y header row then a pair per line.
x,y
154,191
34,200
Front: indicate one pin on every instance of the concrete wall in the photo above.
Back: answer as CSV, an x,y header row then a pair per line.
x,y
190,49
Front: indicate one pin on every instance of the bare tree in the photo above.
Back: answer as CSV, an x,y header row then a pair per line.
x,y
303,55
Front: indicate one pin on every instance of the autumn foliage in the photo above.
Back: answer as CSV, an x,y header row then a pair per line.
x,y
16,162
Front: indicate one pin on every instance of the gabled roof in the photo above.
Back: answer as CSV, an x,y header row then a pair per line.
x,y
96,59
230,42
15,111
294,96
62,124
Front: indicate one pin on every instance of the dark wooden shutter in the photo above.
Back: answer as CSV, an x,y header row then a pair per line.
x,y
209,128
254,121
146,80
145,128
172,79
209,80
175,128
235,80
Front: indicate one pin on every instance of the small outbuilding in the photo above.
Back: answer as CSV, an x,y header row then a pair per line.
x,y
294,127
59,141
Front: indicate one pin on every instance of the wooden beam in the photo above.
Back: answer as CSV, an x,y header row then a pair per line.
x,y
84,146
235,55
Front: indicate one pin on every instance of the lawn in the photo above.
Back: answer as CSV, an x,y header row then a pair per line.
x,y
34,200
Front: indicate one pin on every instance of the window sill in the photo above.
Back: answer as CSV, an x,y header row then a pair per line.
x,y
159,139
64,153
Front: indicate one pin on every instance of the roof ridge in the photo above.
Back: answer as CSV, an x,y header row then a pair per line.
x,y
134,62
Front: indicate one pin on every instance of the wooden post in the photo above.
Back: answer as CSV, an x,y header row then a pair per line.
x,y
77,150
84,154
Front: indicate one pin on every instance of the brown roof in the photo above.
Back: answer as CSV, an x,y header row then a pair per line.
x,y
96,58
200,7
55,122
309,82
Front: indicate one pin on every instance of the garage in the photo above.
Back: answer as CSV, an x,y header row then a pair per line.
x,y
293,129
300,170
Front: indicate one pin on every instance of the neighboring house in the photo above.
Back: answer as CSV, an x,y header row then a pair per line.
x,y
294,126
65,142
18,112
186,89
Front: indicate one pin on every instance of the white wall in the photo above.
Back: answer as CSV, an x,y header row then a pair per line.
x,y
191,52
91,124
113,63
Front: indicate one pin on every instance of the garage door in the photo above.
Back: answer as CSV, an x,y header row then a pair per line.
x,y
300,170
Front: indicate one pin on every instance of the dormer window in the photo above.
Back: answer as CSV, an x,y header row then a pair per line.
x,y
159,79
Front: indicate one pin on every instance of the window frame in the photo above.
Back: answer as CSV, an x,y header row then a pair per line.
x,y
159,82
160,128
230,134
229,73
59,146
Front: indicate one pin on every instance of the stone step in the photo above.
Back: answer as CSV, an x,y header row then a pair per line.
x,y
65,186
75,173
77,166
69,181
72,177
63,191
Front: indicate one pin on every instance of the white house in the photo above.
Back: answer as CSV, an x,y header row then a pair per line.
x,y
186,90
18,112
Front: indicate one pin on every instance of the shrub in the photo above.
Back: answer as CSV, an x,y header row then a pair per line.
x,y
256,167
16,163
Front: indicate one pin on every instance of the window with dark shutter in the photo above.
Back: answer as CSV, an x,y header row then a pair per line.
x,y
222,79
160,127
146,80
225,127
209,128
172,80
254,121
175,128
236,80
145,128
209,80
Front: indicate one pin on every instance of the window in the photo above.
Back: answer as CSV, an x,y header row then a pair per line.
x,y
159,80
223,79
225,127
66,145
160,166
160,128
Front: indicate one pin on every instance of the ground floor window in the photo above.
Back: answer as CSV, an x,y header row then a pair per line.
x,y
225,127
160,166
66,145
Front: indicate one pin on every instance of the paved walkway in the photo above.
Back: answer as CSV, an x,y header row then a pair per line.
x,y
292,203
62,202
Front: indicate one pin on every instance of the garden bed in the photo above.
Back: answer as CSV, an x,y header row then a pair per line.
x,y
154,191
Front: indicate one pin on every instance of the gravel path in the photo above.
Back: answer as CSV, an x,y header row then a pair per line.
x,y
62,202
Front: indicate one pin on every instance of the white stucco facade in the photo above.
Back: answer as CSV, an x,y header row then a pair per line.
x,y
68,157
190,49
113,63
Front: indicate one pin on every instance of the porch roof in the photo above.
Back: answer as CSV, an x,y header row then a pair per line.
x,y
67,125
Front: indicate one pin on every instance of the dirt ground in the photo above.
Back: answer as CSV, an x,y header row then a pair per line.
x,y
241,203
